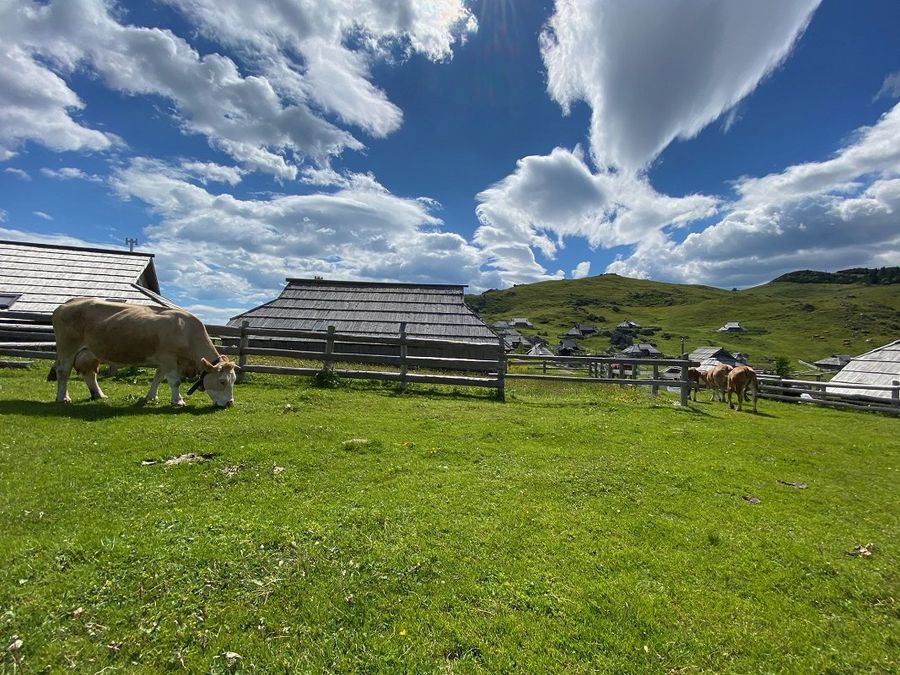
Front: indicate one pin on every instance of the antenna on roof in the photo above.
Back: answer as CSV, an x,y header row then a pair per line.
x,y
131,243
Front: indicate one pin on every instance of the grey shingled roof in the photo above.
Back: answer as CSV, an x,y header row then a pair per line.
x,y
46,275
434,311
880,367
718,353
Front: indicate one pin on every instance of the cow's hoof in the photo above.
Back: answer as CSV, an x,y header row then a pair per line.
x,y
179,404
99,398
64,400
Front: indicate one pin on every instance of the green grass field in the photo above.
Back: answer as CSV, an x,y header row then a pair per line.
x,y
570,529
798,321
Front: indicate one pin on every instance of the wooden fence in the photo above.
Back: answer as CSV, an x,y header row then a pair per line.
x,y
814,392
331,348
606,370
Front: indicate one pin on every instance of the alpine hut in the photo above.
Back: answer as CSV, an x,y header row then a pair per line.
x,y
879,367
37,278
374,309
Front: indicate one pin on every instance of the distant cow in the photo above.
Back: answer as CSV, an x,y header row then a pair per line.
x,y
89,330
717,380
741,380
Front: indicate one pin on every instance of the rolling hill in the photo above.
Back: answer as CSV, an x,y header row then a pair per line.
x,y
797,320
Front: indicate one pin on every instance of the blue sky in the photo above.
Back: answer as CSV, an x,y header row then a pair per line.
x,y
489,143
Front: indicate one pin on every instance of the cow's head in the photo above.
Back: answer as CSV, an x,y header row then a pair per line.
x,y
218,381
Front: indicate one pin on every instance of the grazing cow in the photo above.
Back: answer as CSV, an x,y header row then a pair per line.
x,y
717,381
89,330
740,380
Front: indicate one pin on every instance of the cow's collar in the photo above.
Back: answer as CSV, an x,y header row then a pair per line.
x,y
199,383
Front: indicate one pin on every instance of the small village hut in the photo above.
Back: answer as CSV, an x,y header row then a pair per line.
x,y
37,278
375,309
879,367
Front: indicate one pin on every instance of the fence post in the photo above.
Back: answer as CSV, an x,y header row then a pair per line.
x,y
895,393
685,384
402,355
242,350
329,350
654,389
501,370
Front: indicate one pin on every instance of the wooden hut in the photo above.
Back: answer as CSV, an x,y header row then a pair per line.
x,y
834,362
709,356
880,367
642,350
37,278
372,309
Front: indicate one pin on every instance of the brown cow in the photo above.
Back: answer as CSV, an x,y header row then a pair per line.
x,y
89,330
717,380
740,380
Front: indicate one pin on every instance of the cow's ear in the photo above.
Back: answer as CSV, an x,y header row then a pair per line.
x,y
207,366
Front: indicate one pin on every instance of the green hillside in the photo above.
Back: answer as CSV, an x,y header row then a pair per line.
x,y
805,321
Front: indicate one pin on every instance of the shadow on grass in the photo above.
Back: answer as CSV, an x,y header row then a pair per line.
x,y
96,410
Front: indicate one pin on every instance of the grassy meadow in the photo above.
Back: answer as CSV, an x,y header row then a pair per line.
x,y
570,529
798,321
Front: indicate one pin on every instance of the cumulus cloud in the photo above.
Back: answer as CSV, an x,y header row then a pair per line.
x,y
268,120
553,197
18,173
839,212
582,270
210,172
650,77
215,245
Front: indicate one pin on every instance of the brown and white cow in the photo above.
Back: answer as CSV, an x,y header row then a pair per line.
x,y
741,380
89,330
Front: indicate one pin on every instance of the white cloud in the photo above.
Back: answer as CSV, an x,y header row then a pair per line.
x,y
651,76
268,120
549,198
212,246
840,212
582,270
71,173
41,214
212,172
18,173
2,219
890,88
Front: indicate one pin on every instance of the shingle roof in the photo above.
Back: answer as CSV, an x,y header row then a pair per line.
x,y
718,353
879,367
46,275
372,309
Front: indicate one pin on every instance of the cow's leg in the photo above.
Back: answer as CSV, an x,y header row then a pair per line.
x,y
63,369
730,404
755,393
740,397
90,379
174,380
154,386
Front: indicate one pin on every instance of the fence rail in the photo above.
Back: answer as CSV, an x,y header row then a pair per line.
x,y
816,393
607,370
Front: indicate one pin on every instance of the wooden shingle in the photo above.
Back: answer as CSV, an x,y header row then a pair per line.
x,y
371,309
